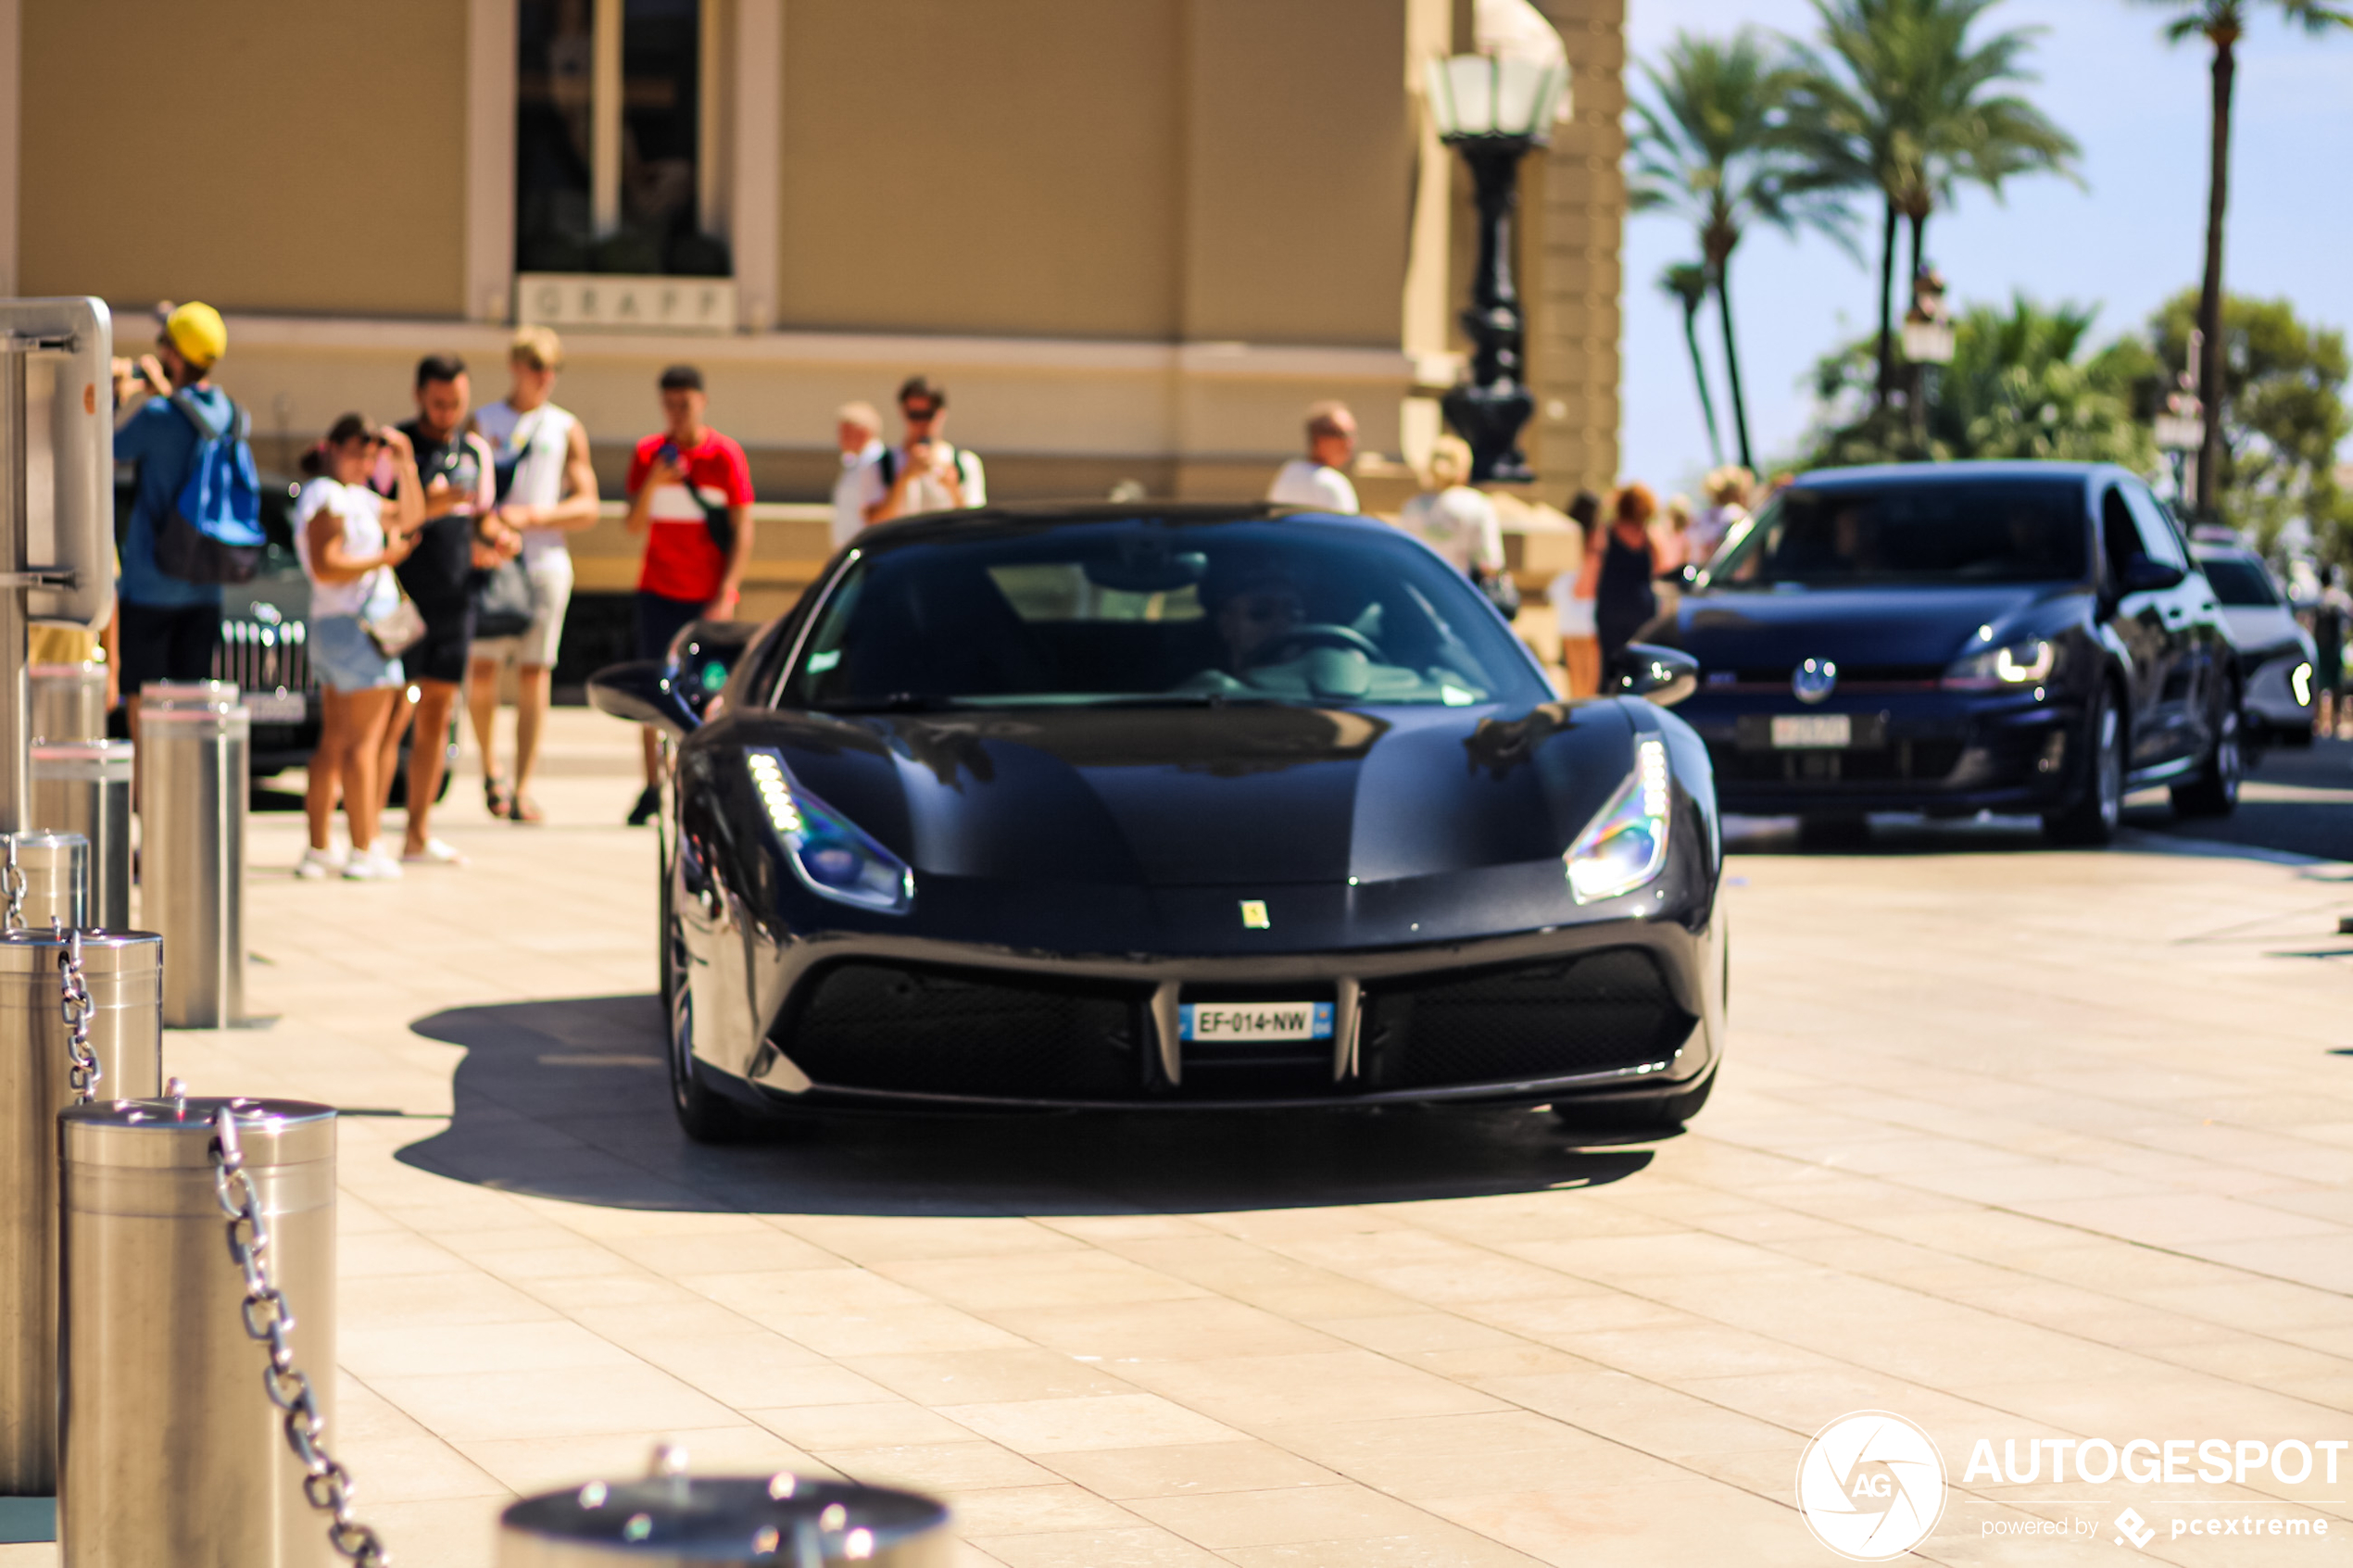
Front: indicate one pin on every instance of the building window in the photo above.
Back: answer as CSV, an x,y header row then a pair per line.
x,y
614,161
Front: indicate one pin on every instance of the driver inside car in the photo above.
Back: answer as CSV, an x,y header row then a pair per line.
x,y
1256,616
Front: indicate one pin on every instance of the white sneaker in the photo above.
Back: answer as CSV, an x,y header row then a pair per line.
x,y
434,853
317,865
371,865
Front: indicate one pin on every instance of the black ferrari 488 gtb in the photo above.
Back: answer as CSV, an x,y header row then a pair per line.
x,y
1191,807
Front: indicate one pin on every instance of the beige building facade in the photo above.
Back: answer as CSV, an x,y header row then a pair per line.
x,y
1133,237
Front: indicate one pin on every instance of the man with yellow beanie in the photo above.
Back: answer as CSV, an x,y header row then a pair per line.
x,y
167,628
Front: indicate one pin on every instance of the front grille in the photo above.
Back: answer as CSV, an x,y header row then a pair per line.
x,y
1598,1012
255,657
1848,675
917,1029
1901,761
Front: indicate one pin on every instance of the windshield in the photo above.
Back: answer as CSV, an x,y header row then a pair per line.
x,y
1143,611
2238,581
1941,532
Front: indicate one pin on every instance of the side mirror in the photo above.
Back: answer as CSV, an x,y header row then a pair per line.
x,y
2149,575
643,693
704,655
1665,675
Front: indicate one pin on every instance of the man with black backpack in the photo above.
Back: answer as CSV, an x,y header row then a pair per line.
x,y
197,522
927,474
690,496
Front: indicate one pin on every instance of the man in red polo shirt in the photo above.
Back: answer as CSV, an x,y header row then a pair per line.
x,y
690,496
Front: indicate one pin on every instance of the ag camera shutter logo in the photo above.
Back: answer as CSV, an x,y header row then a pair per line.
x,y
1871,1485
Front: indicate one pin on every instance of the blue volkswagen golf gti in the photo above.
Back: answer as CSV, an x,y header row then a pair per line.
x,y
1957,637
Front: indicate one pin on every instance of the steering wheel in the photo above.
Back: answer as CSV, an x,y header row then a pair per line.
x,y
1317,633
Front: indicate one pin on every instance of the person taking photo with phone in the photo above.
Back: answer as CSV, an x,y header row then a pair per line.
x,y
348,539
690,498
927,474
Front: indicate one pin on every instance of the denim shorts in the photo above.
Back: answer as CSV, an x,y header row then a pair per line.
x,y
345,657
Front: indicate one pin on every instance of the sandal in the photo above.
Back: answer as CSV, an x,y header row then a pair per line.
x,y
496,796
527,809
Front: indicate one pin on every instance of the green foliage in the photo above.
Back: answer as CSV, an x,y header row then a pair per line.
x,y
1899,99
2283,416
2020,386
2217,19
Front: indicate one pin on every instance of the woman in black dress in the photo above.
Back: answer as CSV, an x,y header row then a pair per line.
x,y
1618,575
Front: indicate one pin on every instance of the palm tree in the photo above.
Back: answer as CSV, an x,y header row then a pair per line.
x,y
1686,282
1707,145
1900,100
2222,22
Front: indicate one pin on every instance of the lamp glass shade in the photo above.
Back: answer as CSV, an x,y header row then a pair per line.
x,y
1489,95
1462,95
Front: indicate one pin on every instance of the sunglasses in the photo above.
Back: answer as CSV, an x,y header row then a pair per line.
x,y
919,416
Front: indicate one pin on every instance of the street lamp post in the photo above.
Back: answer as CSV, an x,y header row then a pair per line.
x,y
1494,109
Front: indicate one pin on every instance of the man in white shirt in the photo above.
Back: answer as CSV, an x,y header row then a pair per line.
x,y
1320,480
858,431
926,475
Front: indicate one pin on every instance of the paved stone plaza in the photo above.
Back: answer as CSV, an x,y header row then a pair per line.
x,y
2014,1143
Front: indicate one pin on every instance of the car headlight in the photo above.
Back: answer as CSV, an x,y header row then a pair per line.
x,y
1625,845
2026,663
834,858
2299,680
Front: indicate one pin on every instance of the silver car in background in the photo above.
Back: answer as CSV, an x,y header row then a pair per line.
x,y
2276,655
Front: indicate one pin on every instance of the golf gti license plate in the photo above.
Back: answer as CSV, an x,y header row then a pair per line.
x,y
1808,731
1255,1021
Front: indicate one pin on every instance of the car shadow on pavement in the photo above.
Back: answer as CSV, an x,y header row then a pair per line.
x,y
571,1100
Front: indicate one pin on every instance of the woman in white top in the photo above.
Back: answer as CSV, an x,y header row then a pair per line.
x,y
348,539
1573,604
1452,518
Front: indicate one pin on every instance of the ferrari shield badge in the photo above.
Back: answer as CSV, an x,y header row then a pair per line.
x,y
1254,914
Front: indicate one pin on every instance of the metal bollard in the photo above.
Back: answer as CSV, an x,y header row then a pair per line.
x,y
84,787
673,1520
122,972
193,740
173,1452
69,701
44,879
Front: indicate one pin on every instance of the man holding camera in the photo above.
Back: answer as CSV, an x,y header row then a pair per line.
x,y
167,628
926,475
690,497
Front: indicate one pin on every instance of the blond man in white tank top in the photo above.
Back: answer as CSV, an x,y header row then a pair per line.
x,y
548,491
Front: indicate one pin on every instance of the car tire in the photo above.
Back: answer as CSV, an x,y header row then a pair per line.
x,y
2090,820
1655,1116
1833,830
2215,791
706,1115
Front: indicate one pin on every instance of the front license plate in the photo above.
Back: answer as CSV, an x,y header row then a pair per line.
x,y
276,708
1255,1021
1794,732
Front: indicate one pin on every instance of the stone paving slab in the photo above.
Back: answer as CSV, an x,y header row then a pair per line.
x,y
2018,1144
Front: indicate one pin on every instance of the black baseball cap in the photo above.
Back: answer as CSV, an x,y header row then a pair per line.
x,y
680,378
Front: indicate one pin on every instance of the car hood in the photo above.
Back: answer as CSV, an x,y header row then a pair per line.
x,y
1198,797
1856,627
2263,628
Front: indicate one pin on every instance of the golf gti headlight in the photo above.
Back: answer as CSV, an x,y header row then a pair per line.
x,y
1625,846
2026,663
834,858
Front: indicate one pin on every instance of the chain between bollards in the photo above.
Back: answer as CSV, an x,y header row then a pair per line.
x,y
77,1007
268,1321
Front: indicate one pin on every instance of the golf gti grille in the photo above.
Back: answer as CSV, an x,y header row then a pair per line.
x,y
920,1030
1598,1012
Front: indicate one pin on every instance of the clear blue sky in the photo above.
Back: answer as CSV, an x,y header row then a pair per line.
x,y
2138,107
